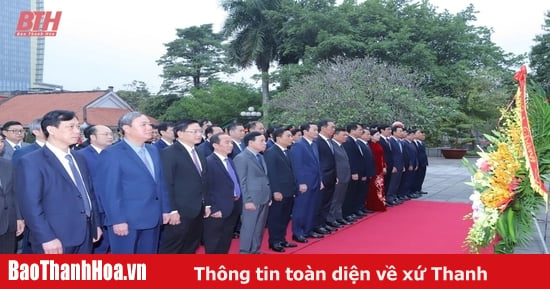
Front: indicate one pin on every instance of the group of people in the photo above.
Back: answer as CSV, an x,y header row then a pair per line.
x,y
193,183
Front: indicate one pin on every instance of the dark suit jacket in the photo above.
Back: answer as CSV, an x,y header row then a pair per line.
x,y
410,153
187,189
370,165
397,155
220,186
128,192
205,148
356,161
327,162
422,156
9,210
49,200
305,163
280,173
236,150
387,153
23,151
160,144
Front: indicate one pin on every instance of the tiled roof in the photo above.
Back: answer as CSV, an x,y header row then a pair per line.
x,y
27,107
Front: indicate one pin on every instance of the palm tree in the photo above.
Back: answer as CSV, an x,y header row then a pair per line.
x,y
252,37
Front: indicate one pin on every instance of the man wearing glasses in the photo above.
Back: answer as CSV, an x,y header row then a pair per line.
x,y
14,133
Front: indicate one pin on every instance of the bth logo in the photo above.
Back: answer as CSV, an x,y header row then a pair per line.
x,y
38,23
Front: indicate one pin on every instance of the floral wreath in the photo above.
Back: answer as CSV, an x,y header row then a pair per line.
x,y
506,179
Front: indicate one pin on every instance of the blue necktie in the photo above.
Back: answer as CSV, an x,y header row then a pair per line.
x,y
231,171
17,147
80,185
143,156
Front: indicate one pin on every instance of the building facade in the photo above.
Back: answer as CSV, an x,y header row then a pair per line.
x,y
21,58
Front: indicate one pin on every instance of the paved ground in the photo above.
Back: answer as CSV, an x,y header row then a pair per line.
x,y
446,182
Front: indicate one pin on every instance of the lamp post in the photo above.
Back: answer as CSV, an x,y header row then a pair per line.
x,y
251,114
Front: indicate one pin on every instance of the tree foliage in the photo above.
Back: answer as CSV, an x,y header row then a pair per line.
x,y
219,102
135,94
539,58
359,90
192,59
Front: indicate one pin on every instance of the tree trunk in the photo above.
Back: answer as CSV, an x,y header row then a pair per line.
x,y
265,92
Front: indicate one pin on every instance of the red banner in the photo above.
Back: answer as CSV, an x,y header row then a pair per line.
x,y
272,271
528,146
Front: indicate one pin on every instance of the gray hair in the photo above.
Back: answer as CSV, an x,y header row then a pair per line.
x,y
127,119
35,125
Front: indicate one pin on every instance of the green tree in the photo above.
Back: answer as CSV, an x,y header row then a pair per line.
x,y
193,59
219,102
135,94
539,57
363,90
251,32
156,106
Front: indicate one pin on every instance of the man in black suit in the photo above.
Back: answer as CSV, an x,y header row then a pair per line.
x,y
283,189
206,146
358,171
225,196
385,133
236,132
186,180
419,137
327,163
11,222
398,166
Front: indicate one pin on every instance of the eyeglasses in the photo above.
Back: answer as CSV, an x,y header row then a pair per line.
x,y
17,131
196,131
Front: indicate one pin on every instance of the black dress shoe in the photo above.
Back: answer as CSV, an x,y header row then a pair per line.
x,y
321,231
315,235
334,224
422,192
330,229
350,219
343,222
236,235
300,239
277,248
360,213
289,245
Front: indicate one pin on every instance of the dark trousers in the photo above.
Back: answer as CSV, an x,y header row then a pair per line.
x,y
136,242
324,205
393,188
278,218
419,178
218,232
183,238
362,192
8,243
350,201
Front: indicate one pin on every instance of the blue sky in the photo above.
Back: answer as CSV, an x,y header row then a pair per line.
x,y
105,42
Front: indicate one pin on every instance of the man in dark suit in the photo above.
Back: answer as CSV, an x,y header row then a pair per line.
x,y
358,172
398,166
225,195
411,167
283,189
23,244
100,137
186,179
307,171
252,172
40,140
206,147
55,192
236,132
370,171
14,133
11,222
132,190
328,169
166,133
419,137
385,133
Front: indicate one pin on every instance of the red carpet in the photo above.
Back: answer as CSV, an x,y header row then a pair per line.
x,y
415,227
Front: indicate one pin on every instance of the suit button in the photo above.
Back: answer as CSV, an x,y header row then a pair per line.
x,y
82,212
157,198
80,196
